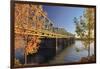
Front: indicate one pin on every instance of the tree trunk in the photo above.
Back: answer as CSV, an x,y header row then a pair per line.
x,y
89,49
25,55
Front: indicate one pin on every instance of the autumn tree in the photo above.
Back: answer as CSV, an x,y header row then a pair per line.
x,y
85,27
24,20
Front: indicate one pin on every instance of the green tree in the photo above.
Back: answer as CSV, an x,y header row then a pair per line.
x,y
85,27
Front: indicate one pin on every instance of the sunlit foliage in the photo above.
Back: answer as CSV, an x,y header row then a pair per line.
x,y
85,27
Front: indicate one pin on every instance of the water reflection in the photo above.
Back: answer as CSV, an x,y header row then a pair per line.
x,y
70,54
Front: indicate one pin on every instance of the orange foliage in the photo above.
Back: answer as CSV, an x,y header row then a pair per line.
x,y
32,46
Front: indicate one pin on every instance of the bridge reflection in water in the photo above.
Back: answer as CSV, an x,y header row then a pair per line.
x,y
49,47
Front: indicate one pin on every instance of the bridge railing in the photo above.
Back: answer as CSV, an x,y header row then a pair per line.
x,y
28,31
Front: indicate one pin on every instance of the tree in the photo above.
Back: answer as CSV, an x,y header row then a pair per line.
x,y
23,23
85,27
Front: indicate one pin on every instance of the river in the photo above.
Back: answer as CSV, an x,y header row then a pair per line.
x,y
72,53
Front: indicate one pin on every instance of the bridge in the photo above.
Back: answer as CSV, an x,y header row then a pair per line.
x,y
51,43
41,33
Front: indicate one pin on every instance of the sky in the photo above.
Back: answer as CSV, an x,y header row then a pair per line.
x,y
62,16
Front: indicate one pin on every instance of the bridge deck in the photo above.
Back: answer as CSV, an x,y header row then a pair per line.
x,y
41,33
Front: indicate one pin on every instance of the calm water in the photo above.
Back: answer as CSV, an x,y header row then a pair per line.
x,y
70,54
